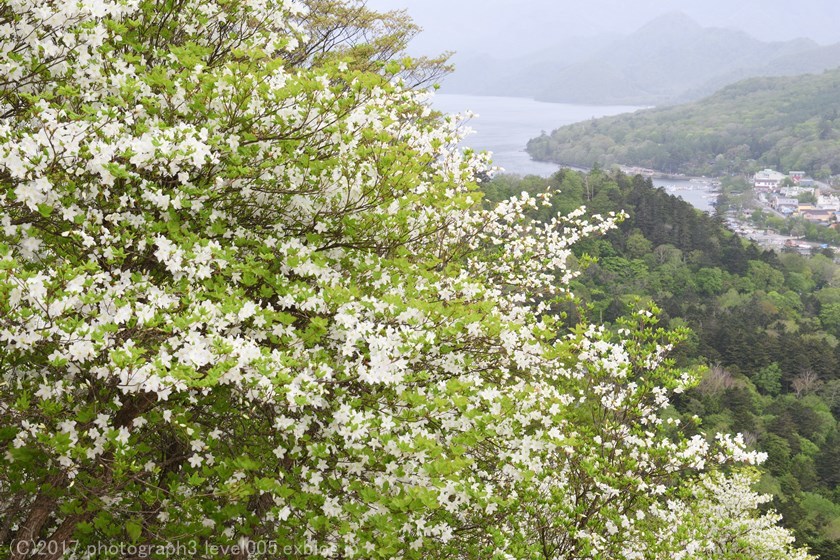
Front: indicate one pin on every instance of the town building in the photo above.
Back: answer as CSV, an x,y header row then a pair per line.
x,y
796,176
793,192
768,180
784,205
829,202
818,215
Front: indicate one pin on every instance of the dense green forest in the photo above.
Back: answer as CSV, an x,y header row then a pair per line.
x,y
764,330
788,123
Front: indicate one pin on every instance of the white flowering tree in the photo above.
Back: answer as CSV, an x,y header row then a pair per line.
x,y
252,308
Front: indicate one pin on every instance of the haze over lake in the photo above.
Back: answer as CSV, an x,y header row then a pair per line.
x,y
505,124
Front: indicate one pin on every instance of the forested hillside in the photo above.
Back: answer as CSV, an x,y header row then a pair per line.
x,y
764,330
788,123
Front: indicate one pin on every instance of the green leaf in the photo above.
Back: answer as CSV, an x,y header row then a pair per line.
x,y
134,529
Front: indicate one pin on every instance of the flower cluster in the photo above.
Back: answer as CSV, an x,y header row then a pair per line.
x,y
244,297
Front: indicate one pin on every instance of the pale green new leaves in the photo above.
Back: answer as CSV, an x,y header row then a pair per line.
x,y
244,300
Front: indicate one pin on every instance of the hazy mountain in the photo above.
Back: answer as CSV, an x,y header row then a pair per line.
x,y
668,60
521,76
511,28
792,58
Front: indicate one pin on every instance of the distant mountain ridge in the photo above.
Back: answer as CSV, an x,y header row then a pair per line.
x,y
787,123
669,60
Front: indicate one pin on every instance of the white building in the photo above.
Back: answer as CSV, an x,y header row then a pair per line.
x,y
793,192
768,180
828,203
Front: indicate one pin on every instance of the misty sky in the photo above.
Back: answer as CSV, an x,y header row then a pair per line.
x,y
500,27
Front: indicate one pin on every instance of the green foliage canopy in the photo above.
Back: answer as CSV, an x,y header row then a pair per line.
x,y
248,300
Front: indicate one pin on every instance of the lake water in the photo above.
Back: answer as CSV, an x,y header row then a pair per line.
x,y
697,192
505,124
